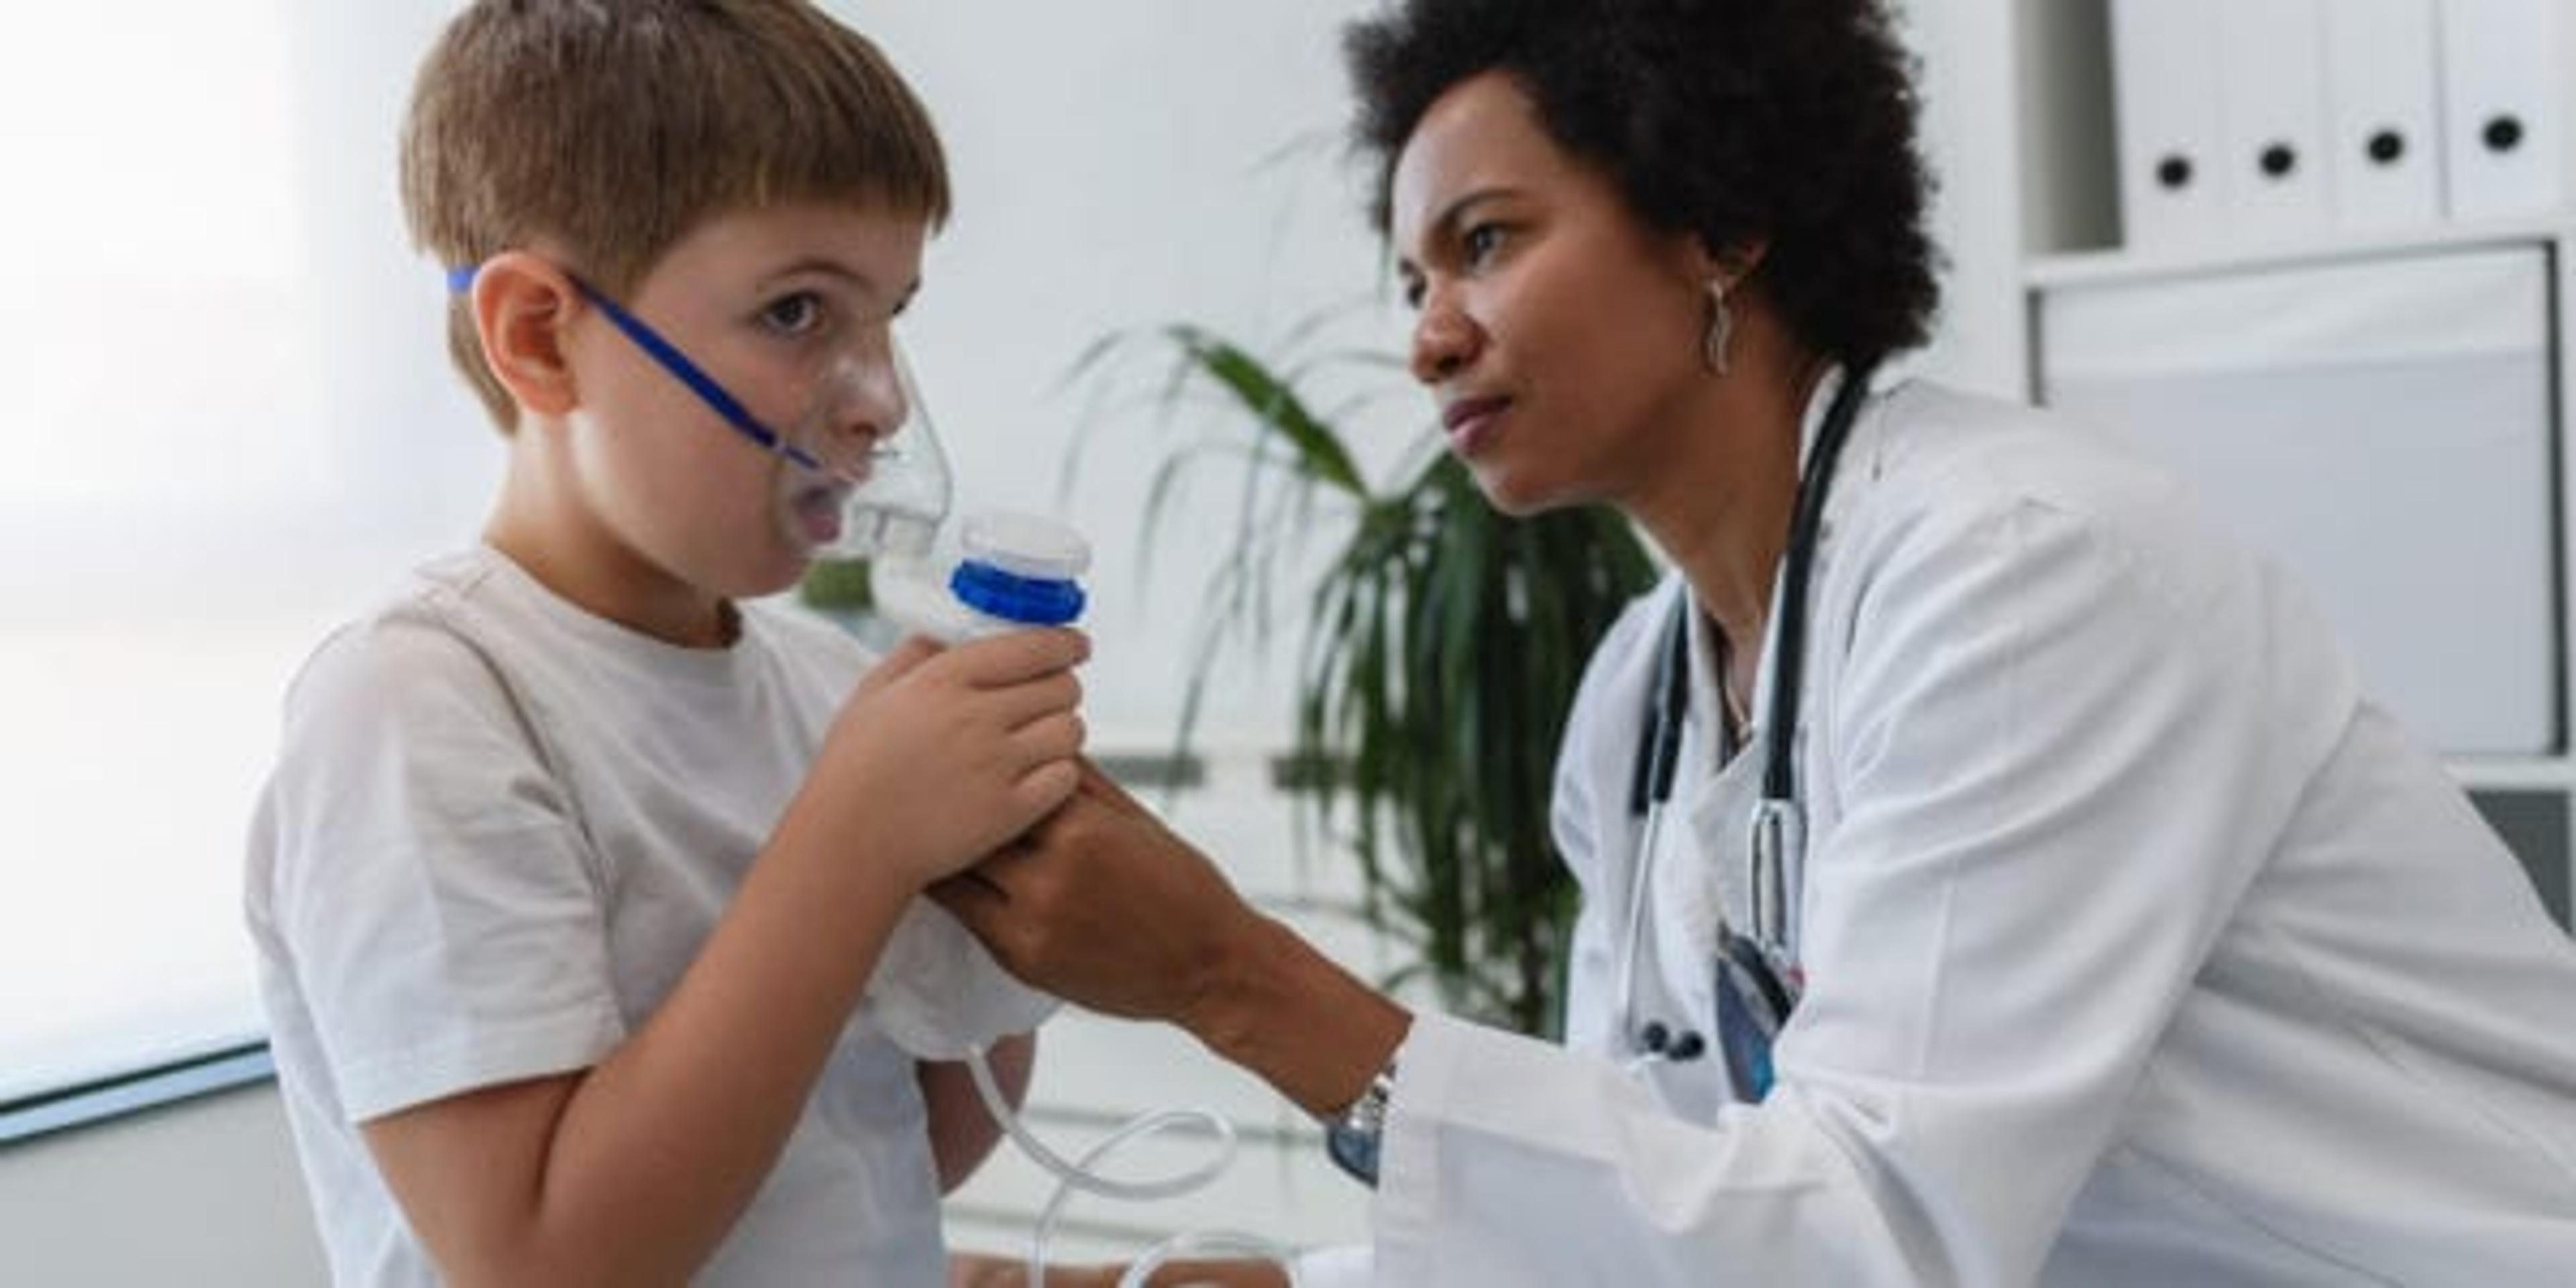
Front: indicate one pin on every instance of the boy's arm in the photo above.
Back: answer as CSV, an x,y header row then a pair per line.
x,y
632,1171
962,1130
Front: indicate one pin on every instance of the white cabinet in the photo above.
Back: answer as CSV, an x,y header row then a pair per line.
x,y
2381,428
2382,411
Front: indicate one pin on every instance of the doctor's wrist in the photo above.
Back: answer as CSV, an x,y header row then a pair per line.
x,y
1281,1010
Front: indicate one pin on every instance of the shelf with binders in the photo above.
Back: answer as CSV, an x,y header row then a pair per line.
x,y
2183,130
2377,402
2117,265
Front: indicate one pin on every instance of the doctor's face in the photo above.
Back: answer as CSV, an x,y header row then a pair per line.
x,y
1558,332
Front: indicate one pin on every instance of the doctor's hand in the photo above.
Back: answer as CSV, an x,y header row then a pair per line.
x,y
1103,906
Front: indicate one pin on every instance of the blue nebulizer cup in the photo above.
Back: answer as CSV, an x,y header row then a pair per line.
x,y
1010,572
997,571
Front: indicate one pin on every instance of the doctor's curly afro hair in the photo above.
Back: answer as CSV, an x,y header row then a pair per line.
x,y
1785,121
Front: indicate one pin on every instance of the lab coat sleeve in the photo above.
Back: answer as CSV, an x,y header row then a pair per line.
x,y
2048,754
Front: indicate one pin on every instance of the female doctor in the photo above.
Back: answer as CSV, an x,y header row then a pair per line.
x,y
1992,876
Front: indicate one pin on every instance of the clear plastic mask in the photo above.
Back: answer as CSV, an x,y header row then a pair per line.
x,y
865,477
861,474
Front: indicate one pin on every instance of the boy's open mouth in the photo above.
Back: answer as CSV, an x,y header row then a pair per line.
x,y
817,508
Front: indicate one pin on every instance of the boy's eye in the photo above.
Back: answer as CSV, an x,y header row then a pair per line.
x,y
793,314
1481,241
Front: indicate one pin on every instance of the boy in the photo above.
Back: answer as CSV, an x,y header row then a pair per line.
x,y
574,867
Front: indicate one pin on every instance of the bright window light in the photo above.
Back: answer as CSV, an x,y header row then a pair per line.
x,y
186,503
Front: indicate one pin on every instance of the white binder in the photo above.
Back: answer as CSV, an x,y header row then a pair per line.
x,y
2382,429
2165,86
2383,104
2504,152
2272,93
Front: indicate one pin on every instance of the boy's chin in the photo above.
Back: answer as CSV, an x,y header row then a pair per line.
x,y
779,584
781,571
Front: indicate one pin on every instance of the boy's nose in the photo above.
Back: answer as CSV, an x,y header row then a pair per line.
x,y
864,409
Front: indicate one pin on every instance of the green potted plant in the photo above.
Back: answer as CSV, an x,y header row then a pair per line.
x,y
1441,653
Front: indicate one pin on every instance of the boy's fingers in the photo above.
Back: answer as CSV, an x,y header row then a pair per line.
x,y
1049,785
1097,783
912,652
1039,699
1020,656
1056,737
972,900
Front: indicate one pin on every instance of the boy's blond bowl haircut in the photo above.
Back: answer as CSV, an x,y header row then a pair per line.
x,y
612,128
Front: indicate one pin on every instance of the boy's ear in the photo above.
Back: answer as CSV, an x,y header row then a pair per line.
x,y
521,305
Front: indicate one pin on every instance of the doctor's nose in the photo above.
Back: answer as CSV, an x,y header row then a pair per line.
x,y
1445,342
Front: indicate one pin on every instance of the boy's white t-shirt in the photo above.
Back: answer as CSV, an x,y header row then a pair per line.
x,y
499,831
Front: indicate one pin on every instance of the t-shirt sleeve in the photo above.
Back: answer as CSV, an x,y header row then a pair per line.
x,y
439,907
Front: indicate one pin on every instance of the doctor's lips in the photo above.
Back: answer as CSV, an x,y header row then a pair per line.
x,y
1473,421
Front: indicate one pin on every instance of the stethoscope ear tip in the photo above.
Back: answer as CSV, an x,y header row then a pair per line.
x,y
1657,1042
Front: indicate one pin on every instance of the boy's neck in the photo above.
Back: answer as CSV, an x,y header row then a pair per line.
x,y
570,553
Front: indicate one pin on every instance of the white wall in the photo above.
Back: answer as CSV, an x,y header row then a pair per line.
x,y
201,1194
1123,164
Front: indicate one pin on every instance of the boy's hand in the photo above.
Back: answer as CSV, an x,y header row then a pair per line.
x,y
940,755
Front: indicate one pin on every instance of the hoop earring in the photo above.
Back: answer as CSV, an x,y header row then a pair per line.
x,y
1721,329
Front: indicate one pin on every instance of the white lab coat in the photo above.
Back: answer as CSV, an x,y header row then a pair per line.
x,y
2141,948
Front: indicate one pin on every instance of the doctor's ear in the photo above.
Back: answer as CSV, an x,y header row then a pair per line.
x,y
521,304
1727,265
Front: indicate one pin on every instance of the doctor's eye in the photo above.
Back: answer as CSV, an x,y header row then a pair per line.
x,y
798,314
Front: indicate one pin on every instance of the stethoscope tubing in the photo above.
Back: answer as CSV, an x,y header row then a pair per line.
x,y
1776,832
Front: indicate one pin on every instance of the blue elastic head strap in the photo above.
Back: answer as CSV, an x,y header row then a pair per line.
x,y
460,280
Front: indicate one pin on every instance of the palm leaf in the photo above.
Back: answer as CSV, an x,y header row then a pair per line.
x,y
1441,650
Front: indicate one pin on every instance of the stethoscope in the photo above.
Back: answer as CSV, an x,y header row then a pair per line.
x,y
1762,968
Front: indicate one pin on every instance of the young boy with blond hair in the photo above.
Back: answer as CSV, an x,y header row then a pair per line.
x,y
575,863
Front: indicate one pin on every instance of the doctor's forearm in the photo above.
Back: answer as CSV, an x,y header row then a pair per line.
x,y
1278,1008
962,1130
